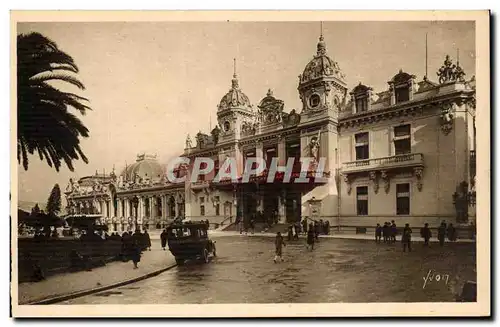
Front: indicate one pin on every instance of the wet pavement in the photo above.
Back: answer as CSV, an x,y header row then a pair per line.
x,y
338,271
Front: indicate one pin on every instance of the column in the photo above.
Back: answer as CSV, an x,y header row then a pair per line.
x,y
112,208
282,152
163,206
176,208
119,208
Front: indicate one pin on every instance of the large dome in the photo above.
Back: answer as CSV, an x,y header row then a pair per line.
x,y
321,66
145,167
235,98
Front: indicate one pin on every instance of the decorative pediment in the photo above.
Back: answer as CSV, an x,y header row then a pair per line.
x,y
270,109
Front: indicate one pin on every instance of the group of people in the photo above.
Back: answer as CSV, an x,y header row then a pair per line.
x,y
389,231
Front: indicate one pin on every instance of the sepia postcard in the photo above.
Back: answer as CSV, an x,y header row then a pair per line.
x,y
250,164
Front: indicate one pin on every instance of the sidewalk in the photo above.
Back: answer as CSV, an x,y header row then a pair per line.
x,y
338,235
113,273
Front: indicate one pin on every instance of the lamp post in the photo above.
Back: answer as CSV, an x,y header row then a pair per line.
x,y
135,203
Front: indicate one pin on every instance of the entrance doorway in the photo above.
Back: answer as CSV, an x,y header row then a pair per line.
x,y
293,206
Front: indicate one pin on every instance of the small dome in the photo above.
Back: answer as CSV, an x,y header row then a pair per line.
x,y
145,167
235,98
321,65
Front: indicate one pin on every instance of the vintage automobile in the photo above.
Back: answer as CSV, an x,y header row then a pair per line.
x,y
189,240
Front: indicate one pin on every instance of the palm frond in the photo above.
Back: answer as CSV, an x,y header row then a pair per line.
x,y
44,123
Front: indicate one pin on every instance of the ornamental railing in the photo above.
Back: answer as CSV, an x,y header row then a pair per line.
x,y
400,160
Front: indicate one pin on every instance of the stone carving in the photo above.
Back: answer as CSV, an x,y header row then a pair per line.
x,y
450,72
201,140
347,180
419,173
249,128
387,182
314,148
291,119
189,143
446,118
374,179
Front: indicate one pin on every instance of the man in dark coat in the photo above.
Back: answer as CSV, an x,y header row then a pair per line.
x,y
426,234
406,238
147,240
311,237
385,232
452,234
442,233
163,239
394,231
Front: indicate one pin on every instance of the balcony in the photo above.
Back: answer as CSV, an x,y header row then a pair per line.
x,y
409,160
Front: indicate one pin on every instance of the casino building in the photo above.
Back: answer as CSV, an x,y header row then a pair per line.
x,y
406,153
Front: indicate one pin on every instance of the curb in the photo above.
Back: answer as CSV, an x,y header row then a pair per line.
x,y
74,295
340,236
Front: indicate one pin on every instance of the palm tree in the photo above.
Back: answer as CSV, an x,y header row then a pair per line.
x,y
44,123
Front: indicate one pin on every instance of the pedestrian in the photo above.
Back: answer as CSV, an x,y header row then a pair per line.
x,y
442,233
136,253
304,225
310,237
378,233
406,238
279,243
296,230
452,233
316,230
163,239
385,232
394,231
252,225
327,227
290,233
426,234
147,240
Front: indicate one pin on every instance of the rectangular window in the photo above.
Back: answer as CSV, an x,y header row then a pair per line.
x,y
362,146
269,154
362,200
361,104
202,210
202,199
217,209
402,139
403,199
402,94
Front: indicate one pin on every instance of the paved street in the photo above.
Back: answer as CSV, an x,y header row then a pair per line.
x,y
336,271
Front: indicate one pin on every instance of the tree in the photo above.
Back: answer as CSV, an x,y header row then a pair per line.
x,y
54,203
44,123
35,210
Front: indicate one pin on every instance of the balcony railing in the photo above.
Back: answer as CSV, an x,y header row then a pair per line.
x,y
392,162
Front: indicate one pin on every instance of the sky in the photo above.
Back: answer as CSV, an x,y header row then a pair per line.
x,y
150,84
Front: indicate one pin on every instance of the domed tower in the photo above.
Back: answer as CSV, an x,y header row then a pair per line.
x,y
233,110
322,85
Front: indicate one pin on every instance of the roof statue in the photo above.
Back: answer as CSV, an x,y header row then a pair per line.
x,y
450,72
